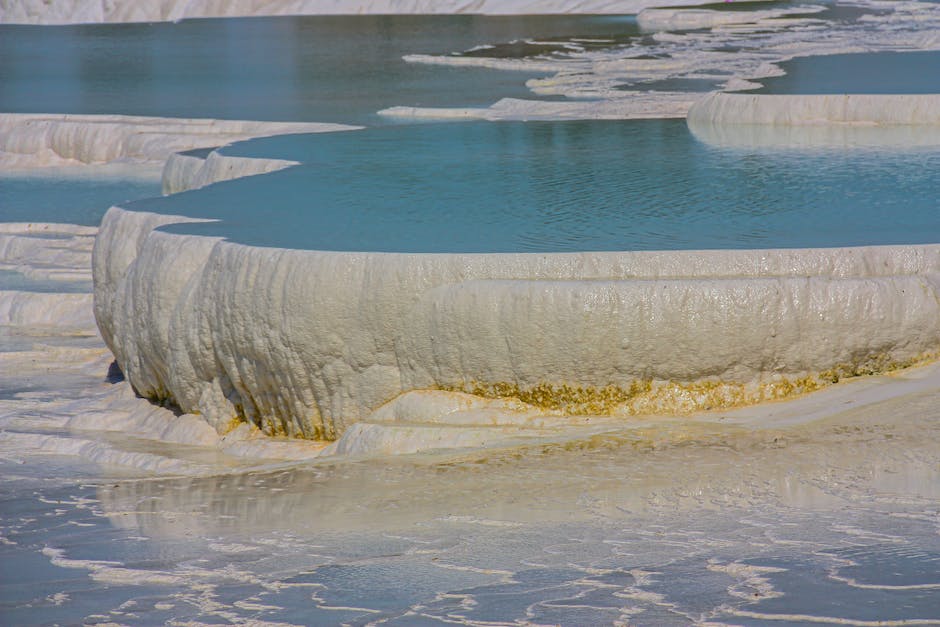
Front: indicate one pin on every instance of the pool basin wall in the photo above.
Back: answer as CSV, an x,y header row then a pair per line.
x,y
823,110
306,343
184,171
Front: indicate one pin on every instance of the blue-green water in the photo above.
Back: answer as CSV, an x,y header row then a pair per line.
x,y
563,186
320,69
77,198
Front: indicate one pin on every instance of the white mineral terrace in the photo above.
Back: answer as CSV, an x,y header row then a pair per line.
x,y
306,343
194,430
58,347
310,343
416,420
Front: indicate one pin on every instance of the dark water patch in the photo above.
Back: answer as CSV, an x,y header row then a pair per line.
x,y
201,153
737,7
836,12
864,73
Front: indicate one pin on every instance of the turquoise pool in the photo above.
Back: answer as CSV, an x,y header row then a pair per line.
x,y
78,197
563,186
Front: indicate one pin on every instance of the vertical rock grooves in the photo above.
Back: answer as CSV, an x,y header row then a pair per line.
x,y
306,343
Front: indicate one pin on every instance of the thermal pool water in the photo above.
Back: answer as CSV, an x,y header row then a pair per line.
x,y
541,187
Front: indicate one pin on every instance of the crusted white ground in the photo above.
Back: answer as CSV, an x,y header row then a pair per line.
x,y
93,11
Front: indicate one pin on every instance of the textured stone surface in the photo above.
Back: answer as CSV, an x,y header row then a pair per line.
x,y
306,343
182,171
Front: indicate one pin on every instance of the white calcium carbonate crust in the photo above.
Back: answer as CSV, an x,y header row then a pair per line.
x,y
306,343
182,171
40,309
29,140
720,108
627,106
94,11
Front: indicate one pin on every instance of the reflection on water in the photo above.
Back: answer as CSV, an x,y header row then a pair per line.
x,y
565,186
752,137
627,470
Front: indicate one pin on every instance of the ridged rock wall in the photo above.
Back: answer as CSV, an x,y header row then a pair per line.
x,y
720,108
184,171
306,343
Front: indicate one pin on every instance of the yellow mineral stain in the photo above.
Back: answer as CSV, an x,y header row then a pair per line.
x,y
633,398
681,398
233,423
568,399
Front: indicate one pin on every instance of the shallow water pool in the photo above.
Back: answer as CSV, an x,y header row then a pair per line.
x,y
78,197
563,186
